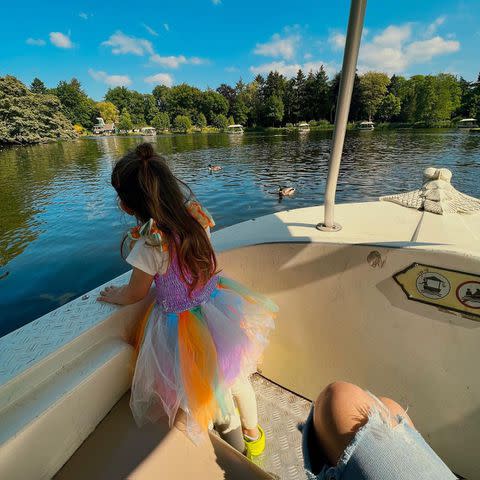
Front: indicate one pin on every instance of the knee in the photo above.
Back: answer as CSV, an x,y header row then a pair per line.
x,y
396,409
337,393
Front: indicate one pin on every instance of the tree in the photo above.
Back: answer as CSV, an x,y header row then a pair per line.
x,y
274,109
183,100
373,87
77,106
229,94
161,121
240,110
125,99
108,111
201,121
212,104
161,93
182,123
26,117
388,108
150,108
37,86
125,122
220,121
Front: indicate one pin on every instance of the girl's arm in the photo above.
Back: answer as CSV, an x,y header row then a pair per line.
x,y
137,289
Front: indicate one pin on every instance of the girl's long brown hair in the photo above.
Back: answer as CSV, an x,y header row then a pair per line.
x,y
145,185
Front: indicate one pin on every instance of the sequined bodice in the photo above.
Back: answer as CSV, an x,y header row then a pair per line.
x,y
173,293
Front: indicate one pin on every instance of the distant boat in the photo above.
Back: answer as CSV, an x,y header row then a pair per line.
x,y
148,131
366,126
303,127
236,129
475,130
467,123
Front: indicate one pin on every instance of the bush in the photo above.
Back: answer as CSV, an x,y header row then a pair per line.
x,y
220,121
182,123
201,121
79,129
161,121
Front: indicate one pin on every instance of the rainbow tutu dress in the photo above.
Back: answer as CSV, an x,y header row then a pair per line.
x,y
193,347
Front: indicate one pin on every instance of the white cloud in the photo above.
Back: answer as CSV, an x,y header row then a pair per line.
x,y
231,69
170,61
111,80
160,79
432,28
150,30
278,47
166,26
395,49
307,56
291,69
60,40
393,36
84,15
337,40
173,61
38,42
216,2
425,50
123,44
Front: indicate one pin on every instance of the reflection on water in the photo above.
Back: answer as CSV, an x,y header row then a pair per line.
x,y
60,227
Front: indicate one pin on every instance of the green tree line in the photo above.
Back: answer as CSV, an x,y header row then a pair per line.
x,y
273,100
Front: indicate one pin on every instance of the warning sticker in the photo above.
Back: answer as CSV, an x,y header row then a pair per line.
x,y
449,289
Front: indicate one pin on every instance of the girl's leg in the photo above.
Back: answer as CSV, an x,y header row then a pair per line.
x,y
340,410
246,402
229,427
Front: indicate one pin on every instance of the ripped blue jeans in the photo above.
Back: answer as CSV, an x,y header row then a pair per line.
x,y
378,451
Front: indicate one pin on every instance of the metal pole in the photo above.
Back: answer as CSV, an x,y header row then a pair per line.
x,y
349,67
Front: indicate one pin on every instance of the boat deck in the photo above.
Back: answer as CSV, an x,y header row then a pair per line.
x,y
118,449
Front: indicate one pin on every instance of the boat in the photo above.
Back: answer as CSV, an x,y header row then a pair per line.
x,y
467,123
475,130
303,127
366,126
148,131
236,129
65,377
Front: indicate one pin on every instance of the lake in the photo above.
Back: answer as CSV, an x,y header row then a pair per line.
x,y
60,227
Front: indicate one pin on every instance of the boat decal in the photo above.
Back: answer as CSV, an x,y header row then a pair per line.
x,y
441,287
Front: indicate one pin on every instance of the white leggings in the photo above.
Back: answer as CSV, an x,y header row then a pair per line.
x,y
242,396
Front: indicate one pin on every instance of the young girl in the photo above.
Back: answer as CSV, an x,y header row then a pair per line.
x,y
204,333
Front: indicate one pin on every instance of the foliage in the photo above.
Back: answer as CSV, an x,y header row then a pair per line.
x,y
125,122
26,117
212,104
137,104
161,121
201,121
182,123
389,107
230,120
274,109
373,87
37,86
79,130
108,111
77,106
220,121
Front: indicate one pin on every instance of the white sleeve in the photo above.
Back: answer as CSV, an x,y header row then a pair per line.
x,y
148,259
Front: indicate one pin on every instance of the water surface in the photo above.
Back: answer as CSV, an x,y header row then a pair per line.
x,y
60,227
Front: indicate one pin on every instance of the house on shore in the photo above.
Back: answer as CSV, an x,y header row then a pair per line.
x,y
102,128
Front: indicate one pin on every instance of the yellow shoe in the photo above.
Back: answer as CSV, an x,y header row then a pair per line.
x,y
255,447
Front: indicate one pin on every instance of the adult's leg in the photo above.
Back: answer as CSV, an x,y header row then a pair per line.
x,y
341,410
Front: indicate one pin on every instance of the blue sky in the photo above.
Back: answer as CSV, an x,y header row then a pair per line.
x,y
207,42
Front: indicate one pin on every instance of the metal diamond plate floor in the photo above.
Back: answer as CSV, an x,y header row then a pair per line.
x,y
280,412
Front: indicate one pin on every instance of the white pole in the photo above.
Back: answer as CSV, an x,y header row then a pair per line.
x,y
349,67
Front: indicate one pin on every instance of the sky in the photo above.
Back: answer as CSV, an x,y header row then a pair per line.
x,y
141,44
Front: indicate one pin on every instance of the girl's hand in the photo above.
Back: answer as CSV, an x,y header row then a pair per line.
x,y
136,290
111,294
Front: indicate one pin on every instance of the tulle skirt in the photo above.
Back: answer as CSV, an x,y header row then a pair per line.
x,y
189,360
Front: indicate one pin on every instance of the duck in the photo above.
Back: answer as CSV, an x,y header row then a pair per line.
x,y
286,191
214,168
